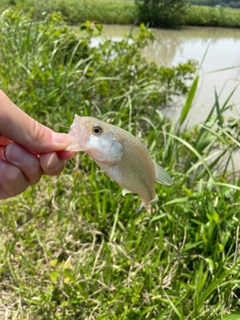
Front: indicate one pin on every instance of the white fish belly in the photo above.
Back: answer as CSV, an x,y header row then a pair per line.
x,y
134,173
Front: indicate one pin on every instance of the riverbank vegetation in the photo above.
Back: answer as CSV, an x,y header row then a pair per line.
x,y
207,16
160,13
124,12
218,3
72,247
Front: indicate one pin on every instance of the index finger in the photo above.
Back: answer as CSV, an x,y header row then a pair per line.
x,y
17,126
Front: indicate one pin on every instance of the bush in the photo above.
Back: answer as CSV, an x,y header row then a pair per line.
x,y
207,16
71,246
161,13
78,11
56,67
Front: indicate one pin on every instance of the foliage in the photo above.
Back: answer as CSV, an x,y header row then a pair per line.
x,y
161,13
206,16
119,12
57,67
221,3
71,247
78,11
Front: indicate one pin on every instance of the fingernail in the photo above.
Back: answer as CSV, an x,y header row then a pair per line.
x,y
54,163
14,153
61,138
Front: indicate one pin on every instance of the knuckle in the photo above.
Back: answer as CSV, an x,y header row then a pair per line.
x,y
38,131
9,173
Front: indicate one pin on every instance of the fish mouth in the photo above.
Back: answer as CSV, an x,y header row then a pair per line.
x,y
79,135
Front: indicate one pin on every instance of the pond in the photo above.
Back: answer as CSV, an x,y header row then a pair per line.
x,y
219,48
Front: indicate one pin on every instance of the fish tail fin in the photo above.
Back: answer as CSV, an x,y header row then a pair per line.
x,y
161,176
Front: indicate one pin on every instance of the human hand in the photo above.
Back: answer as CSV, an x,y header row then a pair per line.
x,y
27,150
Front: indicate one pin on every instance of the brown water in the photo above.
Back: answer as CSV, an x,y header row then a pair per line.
x,y
174,46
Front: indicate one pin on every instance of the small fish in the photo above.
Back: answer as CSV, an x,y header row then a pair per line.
x,y
120,155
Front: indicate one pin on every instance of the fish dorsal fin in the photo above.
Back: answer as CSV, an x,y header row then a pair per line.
x,y
161,175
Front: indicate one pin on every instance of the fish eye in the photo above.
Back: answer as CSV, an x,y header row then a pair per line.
x,y
97,130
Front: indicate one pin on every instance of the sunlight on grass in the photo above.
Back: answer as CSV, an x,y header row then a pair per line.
x,y
72,247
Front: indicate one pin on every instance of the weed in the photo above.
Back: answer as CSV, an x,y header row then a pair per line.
x,y
71,247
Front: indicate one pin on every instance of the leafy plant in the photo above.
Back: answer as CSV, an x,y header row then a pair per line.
x,y
57,67
161,13
71,247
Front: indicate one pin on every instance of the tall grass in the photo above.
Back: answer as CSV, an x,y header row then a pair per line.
x,y
78,11
120,12
208,16
72,246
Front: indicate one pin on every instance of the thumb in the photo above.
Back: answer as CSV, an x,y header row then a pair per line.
x,y
17,126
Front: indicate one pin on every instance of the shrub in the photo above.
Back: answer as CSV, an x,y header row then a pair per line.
x,y
161,13
71,246
56,67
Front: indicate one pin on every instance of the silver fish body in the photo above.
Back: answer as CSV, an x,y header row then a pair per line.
x,y
120,155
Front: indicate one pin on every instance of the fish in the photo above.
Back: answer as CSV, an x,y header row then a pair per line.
x,y
120,155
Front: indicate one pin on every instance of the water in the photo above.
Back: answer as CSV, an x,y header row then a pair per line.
x,y
215,49
222,48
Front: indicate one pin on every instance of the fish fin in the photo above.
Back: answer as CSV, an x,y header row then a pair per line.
x,y
139,208
125,191
154,200
145,204
161,175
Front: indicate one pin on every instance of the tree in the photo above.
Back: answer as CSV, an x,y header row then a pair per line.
x,y
162,13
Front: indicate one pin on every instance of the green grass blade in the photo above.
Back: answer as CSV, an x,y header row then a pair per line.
x,y
191,148
235,316
191,94
218,109
231,137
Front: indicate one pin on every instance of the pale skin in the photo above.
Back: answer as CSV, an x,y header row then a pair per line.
x,y
27,150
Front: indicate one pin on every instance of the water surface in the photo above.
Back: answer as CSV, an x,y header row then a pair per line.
x,y
222,49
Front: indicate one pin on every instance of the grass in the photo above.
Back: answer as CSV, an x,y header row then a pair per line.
x,y
72,246
208,16
121,12
74,11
